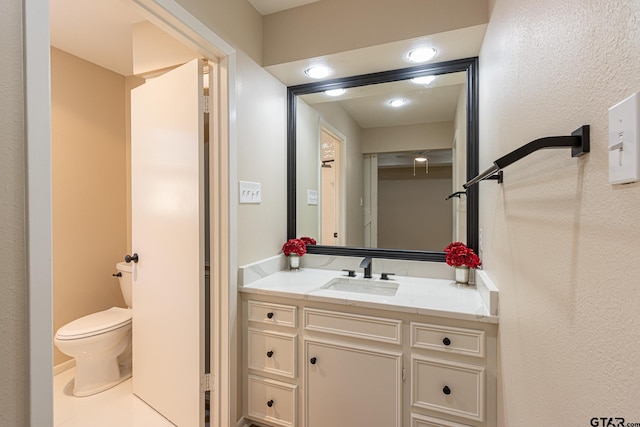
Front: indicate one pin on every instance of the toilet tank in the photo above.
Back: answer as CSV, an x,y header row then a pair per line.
x,y
126,281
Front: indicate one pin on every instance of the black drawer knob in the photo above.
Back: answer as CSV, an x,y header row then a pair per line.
x,y
313,360
269,353
446,341
270,403
446,390
270,315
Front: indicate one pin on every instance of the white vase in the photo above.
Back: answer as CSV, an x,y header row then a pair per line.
x,y
462,275
294,262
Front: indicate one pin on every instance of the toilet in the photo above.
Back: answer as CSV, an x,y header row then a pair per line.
x,y
100,343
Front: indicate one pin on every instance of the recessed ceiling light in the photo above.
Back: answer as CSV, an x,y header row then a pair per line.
x,y
318,72
334,92
397,102
422,54
424,80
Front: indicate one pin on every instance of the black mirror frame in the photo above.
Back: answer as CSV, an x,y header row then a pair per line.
x,y
470,65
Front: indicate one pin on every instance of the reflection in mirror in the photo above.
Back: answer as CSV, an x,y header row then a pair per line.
x,y
398,164
371,177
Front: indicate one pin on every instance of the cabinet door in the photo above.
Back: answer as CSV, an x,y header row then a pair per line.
x,y
348,386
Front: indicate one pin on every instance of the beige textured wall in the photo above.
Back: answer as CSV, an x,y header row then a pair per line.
x,y
235,21
561,243
262,153
307,163
460,167
332,26
437,135
13,313
412,212
89,187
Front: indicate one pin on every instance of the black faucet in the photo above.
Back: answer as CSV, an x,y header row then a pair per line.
x,y
366,264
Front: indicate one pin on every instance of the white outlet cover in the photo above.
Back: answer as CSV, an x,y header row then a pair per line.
x,y
624,132
250,192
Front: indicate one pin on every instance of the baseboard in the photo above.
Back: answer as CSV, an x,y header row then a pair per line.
x,y
243,423
64,366
248,423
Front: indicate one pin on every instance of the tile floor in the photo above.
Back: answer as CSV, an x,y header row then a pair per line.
x,y
116,407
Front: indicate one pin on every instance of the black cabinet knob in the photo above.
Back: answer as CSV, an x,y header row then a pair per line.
x,y
313,360
446,341
270,315
446,390
270,403
269,353
130,258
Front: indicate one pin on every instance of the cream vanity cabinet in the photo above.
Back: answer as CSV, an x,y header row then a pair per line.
x,y
316,364
352,376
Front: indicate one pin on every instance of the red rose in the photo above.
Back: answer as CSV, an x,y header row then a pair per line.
x,y
296,246
308,240
458,254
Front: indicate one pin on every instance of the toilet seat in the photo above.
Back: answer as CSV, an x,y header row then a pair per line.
x,y
95,324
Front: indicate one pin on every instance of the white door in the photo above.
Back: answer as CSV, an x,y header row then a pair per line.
x,y
370,201
167,180
330,189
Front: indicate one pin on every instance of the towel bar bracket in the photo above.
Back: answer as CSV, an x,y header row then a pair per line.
x,y
579,142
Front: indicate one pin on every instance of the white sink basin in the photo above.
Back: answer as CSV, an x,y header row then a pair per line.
x,y
362,286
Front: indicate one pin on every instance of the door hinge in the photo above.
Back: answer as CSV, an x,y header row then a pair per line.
x,y
404,374
206,383
205,103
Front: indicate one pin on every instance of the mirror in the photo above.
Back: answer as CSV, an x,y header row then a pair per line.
x,y
349,165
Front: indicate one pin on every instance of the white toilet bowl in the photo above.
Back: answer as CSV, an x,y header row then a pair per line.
x,y
101,345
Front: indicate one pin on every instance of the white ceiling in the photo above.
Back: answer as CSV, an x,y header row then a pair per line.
x,y
265,7
100,31
462,43
369,105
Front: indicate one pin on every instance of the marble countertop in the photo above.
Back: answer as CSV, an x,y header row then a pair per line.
x,y
416,295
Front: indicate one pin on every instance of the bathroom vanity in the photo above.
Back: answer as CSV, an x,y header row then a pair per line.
x,y
321,349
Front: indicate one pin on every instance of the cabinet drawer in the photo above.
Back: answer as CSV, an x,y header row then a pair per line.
x,y
448,387
469,342
353,325
422,421
272,401
272,352
272,314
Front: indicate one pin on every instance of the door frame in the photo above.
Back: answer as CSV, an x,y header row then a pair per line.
x,y
181,24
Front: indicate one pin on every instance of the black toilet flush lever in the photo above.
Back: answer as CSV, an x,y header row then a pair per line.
x,y
118,274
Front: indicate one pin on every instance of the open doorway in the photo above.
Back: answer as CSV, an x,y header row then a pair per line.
x,y
37,48
331,186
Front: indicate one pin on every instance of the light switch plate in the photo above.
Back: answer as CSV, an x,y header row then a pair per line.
x,y
250,192
312,197
624,131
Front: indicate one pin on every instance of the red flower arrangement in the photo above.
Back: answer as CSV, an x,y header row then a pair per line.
x,y
297,246
458,254
308,240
